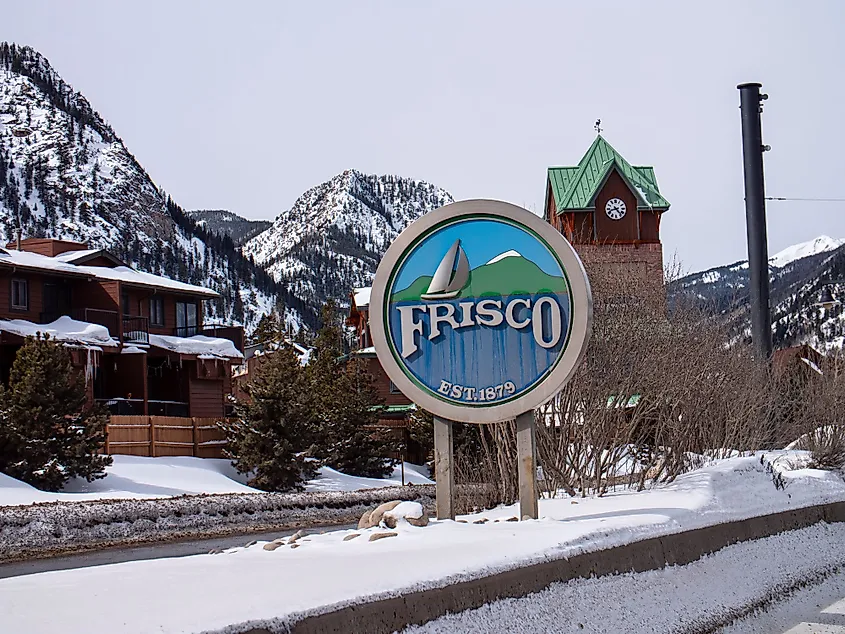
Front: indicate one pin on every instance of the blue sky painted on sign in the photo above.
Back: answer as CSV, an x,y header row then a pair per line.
x,y
482,240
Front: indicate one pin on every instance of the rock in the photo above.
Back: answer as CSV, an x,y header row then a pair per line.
x,y
573,502
252,543
525,518
462,522
376,536
351,537
296,537
271,546
364,522
418,521
376,515
280,541
483,520
294,545
512,519
403,510
214,551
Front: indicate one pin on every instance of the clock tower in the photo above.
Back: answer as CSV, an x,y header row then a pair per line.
x,y
610,211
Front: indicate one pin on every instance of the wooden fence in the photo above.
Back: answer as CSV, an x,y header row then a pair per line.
x,y
154,436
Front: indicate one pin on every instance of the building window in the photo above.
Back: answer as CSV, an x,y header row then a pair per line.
x,y
156,311
186,319
20,295
124,301
394,389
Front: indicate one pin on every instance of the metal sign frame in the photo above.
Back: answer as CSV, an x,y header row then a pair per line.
x,y
581,313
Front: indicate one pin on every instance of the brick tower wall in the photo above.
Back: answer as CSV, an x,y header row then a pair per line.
x,y
638,269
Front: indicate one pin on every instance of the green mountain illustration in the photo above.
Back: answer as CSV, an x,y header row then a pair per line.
x,y
508,275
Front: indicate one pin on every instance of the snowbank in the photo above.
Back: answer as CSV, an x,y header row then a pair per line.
x,y
131,477
243,585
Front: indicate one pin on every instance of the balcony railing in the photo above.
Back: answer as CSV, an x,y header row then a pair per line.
x,y
123,406
167,408
235,334
136,329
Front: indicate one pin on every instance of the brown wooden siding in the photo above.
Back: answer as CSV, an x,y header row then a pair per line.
x,y
206,397
649,226
382,383
34,286
625,230
48,246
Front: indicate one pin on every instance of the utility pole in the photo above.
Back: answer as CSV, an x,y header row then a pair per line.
x,y
751,105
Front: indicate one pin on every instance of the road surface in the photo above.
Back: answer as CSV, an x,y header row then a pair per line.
x,y
818,609
147,551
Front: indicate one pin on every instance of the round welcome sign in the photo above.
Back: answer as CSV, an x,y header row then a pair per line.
x,y
480,311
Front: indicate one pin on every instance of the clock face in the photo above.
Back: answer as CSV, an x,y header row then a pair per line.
x,y
615,209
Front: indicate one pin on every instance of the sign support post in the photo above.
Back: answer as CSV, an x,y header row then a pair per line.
x,y
444,472
526,456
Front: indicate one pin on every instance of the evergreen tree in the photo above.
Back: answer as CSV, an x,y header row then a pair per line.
x,y
270,431
47,435
345,406
268,328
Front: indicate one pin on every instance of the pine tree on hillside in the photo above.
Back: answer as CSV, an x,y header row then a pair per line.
x,y
268,329
47,436
345,406
271,430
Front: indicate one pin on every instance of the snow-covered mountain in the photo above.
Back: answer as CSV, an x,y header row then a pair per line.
x,y
822,244
65,173
797,276
225,223
333,237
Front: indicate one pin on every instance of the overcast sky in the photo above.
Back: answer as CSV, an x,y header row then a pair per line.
x,y
245,105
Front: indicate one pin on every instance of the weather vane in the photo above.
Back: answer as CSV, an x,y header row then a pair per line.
x,y
598,126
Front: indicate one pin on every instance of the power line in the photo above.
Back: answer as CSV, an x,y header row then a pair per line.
x,y
813,200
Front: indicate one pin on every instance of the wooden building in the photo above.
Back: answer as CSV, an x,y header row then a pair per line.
x,y
610,211
398,407
140,338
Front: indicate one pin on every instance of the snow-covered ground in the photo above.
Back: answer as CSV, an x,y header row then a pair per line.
x,y
698,597
253,584
330,480
132,477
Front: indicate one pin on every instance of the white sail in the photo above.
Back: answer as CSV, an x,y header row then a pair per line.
x,y
449,279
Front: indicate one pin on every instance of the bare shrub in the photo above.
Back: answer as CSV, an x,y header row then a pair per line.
x,y
658,392
811,407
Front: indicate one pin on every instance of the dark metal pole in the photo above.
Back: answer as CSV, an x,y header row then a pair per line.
x,y
755,218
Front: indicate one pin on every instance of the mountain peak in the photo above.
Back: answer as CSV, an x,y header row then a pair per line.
x,y
805,249
506,254
333,237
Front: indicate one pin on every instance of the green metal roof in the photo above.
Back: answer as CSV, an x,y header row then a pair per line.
x,y
575,188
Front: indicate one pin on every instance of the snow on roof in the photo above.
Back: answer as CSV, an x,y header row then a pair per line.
x,y
30,260
131,276
200,345
812,365
63,329
73,256
362,296
61,265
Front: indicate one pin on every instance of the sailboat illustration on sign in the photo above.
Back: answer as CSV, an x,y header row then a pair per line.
x,y
451,275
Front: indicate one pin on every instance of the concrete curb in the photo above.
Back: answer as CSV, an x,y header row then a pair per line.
x,y
394,614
